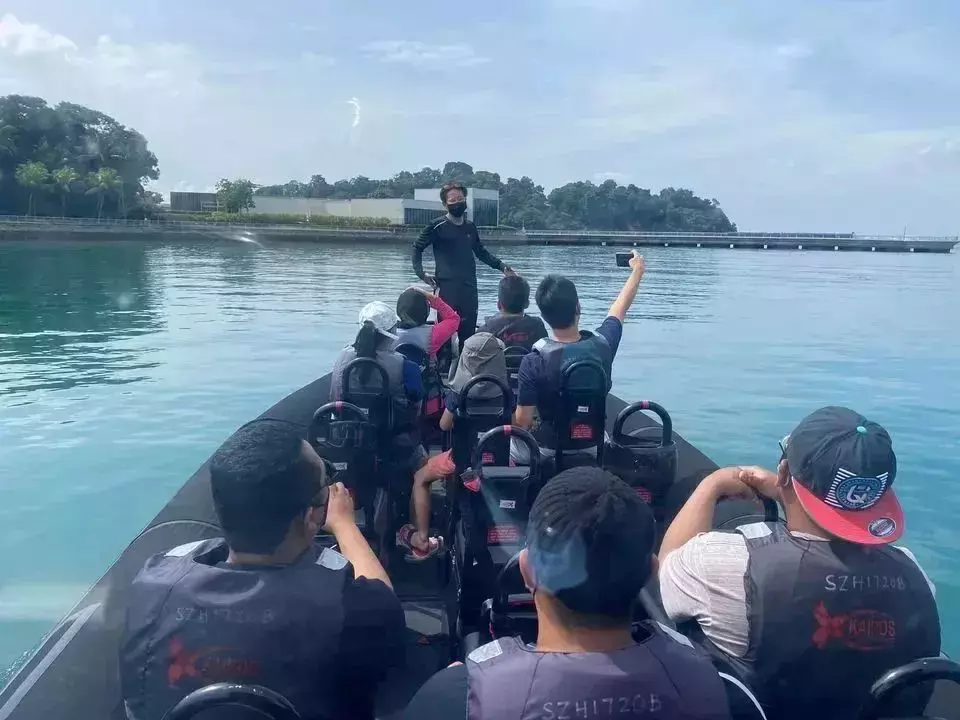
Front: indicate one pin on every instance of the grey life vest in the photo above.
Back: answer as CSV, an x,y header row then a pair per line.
x,y
418,336
826,620
392,362
192,621
556,357
657,678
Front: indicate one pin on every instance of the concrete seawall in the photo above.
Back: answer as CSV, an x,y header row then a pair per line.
x,y
107,230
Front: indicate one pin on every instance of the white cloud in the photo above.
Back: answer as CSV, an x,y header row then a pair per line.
x,y
418,54
29,39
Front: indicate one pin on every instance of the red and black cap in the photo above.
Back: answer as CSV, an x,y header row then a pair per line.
x,y
843,467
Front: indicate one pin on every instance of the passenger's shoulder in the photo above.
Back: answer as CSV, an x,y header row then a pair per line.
x,y
709,554
913,558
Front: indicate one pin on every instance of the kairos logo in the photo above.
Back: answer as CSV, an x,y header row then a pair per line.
x,y
863,630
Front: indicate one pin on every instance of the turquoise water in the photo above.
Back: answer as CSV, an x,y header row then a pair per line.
x,y
124,364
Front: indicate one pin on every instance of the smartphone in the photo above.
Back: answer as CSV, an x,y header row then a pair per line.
x,y
623,259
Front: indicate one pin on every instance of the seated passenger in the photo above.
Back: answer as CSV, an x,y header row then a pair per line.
x,y
540,371
512,325
809,614
415,536
589,554
482,354
376,340
413,309
265,606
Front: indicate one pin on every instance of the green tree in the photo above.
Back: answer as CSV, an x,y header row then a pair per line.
x,y
100,183
235,195
73,136
66,180
32,176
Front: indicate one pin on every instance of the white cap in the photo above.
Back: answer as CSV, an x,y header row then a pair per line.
x,y
383,317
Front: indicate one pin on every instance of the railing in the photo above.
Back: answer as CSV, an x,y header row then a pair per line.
x,y
737,235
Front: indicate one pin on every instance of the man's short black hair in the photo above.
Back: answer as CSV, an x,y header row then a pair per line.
x,y
514,294
448,187
558,301
260,480
591,540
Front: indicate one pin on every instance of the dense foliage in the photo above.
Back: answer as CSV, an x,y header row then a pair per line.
x,y
330,221
523,203
70,160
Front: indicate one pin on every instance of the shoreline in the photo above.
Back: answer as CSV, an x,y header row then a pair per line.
x,y
53,229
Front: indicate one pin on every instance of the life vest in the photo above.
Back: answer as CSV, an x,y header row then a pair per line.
x,y
556,357
826,620
420,337
192,621
659,677
519,330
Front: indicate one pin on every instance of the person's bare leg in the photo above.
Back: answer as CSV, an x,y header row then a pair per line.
x,y
420,502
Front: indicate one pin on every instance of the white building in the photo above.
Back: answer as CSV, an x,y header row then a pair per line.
x,y
483,207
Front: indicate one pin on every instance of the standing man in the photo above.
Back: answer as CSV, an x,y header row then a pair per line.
x,y
455,241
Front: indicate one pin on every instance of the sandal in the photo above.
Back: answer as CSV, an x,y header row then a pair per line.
x,y
435,545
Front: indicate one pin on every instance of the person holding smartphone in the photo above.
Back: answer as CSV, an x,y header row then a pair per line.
x,y
265,605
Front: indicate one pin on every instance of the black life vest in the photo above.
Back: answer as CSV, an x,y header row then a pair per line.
x,y
556,357
192,621
516,330
659,677
826,620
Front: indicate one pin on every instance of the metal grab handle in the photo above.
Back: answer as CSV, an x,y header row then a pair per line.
x,y
509,431
260,699
656,409
903,677
505,393
361,363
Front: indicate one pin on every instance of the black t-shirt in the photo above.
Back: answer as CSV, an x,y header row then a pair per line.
x,y
519,330
308,630
453,249
444,697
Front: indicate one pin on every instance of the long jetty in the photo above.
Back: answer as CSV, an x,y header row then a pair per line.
x,y
747,240
42,228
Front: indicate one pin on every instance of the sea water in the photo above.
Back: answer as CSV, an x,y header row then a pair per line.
x,y
123,364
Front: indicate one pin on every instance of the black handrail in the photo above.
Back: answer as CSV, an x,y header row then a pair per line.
x,y
511,431
658,410
253,697
505,394
361,363
906,676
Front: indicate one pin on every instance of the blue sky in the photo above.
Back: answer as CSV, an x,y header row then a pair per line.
x,y
839,115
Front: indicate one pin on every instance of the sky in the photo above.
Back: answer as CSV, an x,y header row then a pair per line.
x,y
797,115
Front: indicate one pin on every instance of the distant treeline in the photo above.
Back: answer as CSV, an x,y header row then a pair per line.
x,y
69,160
523,203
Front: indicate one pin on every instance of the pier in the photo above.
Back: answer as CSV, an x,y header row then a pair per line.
x,y
835,242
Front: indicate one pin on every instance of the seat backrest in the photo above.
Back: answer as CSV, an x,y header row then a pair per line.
x,y
366,385
342,435
581,410
514,355
475,416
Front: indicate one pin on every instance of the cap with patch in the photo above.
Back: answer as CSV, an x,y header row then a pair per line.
x,y
843,467
383,317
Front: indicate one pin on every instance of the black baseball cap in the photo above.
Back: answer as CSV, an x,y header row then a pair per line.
x,y
590,540
843,467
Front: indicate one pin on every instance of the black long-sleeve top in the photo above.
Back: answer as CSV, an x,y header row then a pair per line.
x,y
454,247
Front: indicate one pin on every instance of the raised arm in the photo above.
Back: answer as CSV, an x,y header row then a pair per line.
x,y
625,299
419,245
447,323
